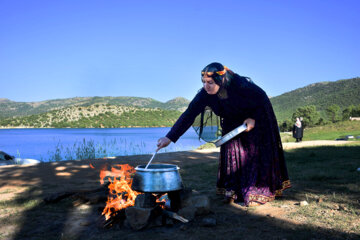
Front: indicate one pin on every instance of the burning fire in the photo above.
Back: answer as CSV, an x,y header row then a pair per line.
x,y
120,193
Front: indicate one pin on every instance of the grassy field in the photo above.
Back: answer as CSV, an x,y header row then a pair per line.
x,y
333,131
328,132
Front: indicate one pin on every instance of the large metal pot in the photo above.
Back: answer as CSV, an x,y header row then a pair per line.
x,y
157,178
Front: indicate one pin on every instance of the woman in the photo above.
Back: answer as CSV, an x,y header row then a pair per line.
x,y
252,167
298,130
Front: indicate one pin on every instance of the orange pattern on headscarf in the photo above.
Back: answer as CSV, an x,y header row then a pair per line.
x,y
223,71
209,74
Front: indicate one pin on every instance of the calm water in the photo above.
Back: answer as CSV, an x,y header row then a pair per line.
x,y
43,144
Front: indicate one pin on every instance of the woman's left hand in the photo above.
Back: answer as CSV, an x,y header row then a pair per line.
x,y
250,123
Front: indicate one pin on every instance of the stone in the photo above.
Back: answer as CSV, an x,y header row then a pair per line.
x,y
188,212
202,205
342,207
304,203
208,222
146,200
127,224
157,222
185,193
335,207
186,202
186,197
137,218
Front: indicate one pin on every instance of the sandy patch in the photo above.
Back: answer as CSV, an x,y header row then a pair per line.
x,y
293,145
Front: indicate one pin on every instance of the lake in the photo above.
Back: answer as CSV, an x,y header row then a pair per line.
x,y
63,144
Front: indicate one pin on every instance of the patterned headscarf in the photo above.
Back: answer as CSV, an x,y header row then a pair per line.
x,y
216,71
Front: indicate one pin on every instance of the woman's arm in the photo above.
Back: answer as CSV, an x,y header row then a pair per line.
x,y
196,106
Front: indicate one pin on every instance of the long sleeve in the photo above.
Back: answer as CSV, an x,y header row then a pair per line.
x,y
255,113
247,99
196,106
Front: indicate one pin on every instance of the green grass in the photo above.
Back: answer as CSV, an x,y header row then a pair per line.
x,y
332,131
329,173
207,146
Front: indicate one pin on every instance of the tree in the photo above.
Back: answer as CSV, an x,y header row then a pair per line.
x,y
356,111
351,111
286,125
333,112
322,122
346,114
309,114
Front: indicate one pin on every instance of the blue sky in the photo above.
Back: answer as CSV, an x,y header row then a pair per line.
x,y
62,49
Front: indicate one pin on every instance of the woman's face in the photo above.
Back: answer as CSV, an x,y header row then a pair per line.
x,y
209,85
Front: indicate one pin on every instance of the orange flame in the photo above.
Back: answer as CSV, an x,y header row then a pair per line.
x,y
120,193
161,200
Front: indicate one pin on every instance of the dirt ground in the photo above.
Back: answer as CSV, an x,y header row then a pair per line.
x,y
293,145
35,220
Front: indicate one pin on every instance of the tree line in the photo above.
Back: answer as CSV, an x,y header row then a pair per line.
x,y
311,117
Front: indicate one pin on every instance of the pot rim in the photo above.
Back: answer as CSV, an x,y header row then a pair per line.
x,y
152,168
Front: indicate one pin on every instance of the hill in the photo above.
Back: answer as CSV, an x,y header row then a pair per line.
x,y
10,108
96,116
342,92
179,104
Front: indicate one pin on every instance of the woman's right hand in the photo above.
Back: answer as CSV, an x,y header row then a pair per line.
x,y
163,142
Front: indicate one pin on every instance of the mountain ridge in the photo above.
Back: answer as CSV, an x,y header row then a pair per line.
x,y
96,116
343,92
10,108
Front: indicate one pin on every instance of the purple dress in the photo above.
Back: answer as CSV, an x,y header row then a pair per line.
x,y
252,166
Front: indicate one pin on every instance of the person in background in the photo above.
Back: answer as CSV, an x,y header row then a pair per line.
x,y
252,168
302,128
298,130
